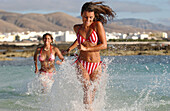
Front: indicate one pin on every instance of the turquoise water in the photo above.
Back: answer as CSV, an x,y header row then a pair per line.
x,y
129,83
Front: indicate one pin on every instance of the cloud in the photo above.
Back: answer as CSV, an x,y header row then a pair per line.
x,y
73,6
133,7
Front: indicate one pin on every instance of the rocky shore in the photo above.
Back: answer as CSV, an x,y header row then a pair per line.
x,y
9,52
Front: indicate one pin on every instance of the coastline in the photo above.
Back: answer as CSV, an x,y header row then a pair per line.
x,y
114,49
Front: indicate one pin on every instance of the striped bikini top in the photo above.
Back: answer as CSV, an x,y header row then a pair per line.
x,y
52,57
93,38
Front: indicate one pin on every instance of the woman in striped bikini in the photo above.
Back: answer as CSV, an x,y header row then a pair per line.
x,y
90,40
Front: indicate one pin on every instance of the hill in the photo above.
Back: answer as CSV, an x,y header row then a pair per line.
x,y
140,23
8,27
59,21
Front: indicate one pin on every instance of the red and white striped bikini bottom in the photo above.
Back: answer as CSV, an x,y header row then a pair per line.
x,y
89,66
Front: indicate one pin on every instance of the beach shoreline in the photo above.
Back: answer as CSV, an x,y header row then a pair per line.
x,y
9,50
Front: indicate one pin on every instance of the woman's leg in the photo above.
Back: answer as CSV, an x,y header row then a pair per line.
x,y
47,81
95,78
84,77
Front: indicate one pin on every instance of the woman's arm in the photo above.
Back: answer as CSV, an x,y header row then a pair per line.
x,y
75,43
60,56
73,46
102,37
35,60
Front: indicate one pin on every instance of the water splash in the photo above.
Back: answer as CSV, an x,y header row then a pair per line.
x,y
141,87
130,83
67,92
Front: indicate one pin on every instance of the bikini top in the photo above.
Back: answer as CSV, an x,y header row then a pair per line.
x,y
93,38
52,57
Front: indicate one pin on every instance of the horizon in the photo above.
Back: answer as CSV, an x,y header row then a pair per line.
x,y
150,10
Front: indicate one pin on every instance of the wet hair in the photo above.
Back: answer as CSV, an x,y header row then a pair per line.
x,y
103,13
48,35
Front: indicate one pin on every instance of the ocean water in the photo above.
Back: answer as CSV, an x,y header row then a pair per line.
x,y
128,83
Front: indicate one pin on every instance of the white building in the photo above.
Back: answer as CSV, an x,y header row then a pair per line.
x,y
112,35
67,36
2,37
8,37
70,36
144,36
33,38
135,37
164,35
123,36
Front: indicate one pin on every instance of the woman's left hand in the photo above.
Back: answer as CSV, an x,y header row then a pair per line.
x,y
81,47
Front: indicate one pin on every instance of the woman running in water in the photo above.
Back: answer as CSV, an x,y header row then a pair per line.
x,y
47,54
90,40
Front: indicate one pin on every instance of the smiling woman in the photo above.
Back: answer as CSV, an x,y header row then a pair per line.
x,y
46,57
90,40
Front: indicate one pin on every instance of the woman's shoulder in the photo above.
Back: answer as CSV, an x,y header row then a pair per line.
x,y
54,48
77,27
97,24
39,48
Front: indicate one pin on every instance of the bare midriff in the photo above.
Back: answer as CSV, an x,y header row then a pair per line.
x,y
89,56
47,66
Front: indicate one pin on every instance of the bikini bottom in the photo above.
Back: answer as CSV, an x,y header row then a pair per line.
x,y
89,66
47,78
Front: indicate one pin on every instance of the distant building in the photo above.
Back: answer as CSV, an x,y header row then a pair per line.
x,y
70,36
111,36
8,37
164,35
135,37
144,36
33,39
123,36
67,36
2,38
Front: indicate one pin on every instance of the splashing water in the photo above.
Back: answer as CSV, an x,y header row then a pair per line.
x,y
67,92
139,84
128,83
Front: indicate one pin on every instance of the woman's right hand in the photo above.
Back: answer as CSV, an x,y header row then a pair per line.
x,y
64,52
36,71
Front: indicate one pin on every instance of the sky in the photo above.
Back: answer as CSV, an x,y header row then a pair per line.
x,y
155,11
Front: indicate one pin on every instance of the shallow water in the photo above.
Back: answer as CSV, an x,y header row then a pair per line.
x,y
130,83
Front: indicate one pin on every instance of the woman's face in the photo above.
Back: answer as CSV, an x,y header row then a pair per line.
x,y
87,18
47,39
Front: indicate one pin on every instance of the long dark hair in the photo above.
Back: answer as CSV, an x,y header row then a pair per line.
x,y
102,12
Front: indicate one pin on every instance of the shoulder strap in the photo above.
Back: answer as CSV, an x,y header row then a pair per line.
x,y
50,49
41,50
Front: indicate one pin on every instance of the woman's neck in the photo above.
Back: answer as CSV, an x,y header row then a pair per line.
x,y
85,27
47,47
